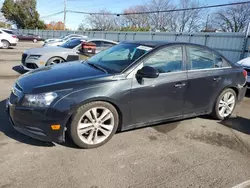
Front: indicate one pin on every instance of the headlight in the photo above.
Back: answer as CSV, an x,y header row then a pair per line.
x,y
34,57
39,100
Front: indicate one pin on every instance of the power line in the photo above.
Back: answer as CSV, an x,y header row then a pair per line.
x,y
160,11
54,14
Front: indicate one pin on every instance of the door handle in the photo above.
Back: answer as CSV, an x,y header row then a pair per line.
x,y
216,79
179,85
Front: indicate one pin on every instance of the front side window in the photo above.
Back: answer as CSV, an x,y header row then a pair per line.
x,y
200,58
119,57
168,59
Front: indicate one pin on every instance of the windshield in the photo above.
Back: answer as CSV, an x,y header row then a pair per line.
x,y
119,57
71,44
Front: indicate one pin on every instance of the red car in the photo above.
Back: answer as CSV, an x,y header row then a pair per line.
x,y
29,37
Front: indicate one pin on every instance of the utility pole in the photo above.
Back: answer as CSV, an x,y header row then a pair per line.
x,y
65,11
207,22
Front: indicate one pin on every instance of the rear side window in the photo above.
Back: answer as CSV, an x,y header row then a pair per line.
x,y
200,58
9,32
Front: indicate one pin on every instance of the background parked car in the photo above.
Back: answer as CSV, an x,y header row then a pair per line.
x,y
29,37
8,38
39,57
245,63
102,44
69,51
63,39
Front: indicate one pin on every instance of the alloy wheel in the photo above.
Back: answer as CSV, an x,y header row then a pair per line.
x,y
95,125
226,104
5,44
56,61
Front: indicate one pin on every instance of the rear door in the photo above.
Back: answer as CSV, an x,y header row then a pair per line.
x,y
208,73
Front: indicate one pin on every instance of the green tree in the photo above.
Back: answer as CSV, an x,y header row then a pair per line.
x,y
23,13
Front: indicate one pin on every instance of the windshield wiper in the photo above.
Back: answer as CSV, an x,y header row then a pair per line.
x,y
97,67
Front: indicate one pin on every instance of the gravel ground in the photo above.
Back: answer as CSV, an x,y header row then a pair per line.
x,y
198,152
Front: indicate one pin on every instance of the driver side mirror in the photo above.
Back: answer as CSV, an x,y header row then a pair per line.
x,y
147,72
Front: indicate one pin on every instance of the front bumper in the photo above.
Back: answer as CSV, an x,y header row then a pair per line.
x,y
36,123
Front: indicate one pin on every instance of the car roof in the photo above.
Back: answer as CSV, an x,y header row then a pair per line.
x,y
154,44
104,40
148,43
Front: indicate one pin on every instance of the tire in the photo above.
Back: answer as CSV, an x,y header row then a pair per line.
x,y
6,44
54,61
221,104
35,40
92,136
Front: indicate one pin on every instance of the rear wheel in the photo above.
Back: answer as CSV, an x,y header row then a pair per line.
x,y
5,44
225,104
54,61
94,124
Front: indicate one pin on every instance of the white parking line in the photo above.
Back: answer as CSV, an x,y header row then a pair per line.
x,y
245,184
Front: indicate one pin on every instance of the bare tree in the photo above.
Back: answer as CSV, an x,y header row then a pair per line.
x,y
159,20
188,20
232,19
136,20
103,21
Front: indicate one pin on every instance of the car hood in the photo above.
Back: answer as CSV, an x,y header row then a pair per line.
x,y
40,51
244,62
58,77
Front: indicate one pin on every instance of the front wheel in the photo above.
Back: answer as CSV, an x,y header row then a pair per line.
x,y
94,124
54,61
225,104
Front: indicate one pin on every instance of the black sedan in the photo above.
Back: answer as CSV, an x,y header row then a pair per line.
x,y
133,84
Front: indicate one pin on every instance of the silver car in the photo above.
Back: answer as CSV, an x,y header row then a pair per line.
x,y
40,57
63,38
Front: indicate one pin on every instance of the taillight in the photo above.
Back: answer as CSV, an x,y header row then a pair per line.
x,y
245,73
14,36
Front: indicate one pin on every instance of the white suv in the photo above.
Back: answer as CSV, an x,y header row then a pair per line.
x,y
7,38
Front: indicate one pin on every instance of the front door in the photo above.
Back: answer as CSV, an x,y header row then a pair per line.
x,y
159,98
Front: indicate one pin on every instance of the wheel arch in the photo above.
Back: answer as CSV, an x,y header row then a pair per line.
x,y
101,99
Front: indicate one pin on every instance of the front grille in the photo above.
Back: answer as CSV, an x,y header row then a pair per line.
x,y
31,66
24,56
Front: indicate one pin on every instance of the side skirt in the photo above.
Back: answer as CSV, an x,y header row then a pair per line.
x,y
170,119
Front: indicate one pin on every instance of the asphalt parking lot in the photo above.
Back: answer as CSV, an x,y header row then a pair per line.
x,y
197,152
